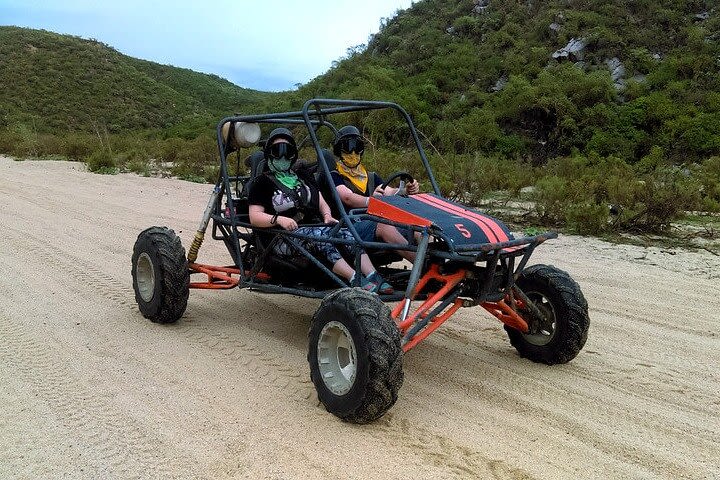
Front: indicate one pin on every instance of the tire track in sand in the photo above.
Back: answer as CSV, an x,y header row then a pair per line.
x,y
523,403
124,449
272,370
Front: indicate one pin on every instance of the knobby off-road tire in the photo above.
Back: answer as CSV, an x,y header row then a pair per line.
x,y
564,329
355,355
161,278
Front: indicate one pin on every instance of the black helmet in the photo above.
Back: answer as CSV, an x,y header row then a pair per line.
x,y
343,133
283,133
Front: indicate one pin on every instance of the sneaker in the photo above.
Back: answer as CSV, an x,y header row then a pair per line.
x,y
374,283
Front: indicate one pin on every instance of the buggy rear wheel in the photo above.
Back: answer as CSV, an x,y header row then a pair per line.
x,y
561,332
355,356
161,278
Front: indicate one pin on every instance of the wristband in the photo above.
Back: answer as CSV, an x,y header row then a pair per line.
x,y
273,220
367,201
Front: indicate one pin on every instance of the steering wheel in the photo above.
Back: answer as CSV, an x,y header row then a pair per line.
x,y
404,177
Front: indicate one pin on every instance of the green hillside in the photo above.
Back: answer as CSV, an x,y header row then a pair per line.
x,y
590,103
55,82
480,75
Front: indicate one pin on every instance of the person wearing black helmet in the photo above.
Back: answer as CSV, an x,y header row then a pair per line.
x,y
280,197
355,185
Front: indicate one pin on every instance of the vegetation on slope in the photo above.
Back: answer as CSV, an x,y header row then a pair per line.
x,y
593,104
600,103
62,83
480,76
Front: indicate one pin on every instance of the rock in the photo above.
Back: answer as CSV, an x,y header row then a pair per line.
x,y
639,78
450,30
617,69
701,17
500,84
657,56
480,6
573,51
555,27
617,72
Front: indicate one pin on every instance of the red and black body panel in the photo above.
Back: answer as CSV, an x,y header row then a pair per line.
x,y
459,224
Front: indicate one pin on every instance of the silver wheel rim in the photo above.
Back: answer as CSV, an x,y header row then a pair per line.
x,y
145,274
547,326
337,359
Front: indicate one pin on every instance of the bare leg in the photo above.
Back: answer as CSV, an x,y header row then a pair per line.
x,y
390,234
342,268
366,265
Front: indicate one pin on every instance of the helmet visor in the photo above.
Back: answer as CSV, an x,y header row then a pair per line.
x,y
352,145
283,150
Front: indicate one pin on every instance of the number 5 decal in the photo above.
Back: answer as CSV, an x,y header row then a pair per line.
x,y
463,231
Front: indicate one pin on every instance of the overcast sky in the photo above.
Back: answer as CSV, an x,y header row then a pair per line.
x,y
263,44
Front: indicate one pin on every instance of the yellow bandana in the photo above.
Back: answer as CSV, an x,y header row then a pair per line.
x,y
357,175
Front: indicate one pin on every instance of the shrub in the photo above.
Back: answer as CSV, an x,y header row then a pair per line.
x,y
8,140
193,158
552,195
661,198
587,218
78,147
577,192
708,175
101,161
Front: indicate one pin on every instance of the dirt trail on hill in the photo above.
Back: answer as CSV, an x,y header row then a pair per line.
x,y
90,389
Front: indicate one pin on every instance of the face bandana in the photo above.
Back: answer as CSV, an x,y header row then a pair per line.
x,y
280,167
351,168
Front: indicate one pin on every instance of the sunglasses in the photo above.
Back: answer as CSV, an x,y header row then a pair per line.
x,y
283,150
352,145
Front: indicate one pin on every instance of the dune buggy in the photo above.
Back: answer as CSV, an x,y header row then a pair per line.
x,y
464,258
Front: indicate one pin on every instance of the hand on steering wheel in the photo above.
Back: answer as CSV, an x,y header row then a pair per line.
x,y
402,187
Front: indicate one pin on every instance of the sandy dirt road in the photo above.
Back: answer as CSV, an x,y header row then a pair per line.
x,y
90,389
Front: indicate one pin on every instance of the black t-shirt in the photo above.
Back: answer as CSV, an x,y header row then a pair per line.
x,y
266,193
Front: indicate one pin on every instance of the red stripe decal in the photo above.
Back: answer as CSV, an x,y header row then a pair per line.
x,y
384,210
497,230
487,231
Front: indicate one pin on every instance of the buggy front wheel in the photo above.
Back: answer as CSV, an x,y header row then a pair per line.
x,y
560,332
355,356
160,274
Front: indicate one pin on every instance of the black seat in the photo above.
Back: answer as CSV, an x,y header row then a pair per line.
x,y
327,158
256,163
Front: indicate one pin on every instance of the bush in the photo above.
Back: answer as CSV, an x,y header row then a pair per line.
x,y
552,196
577,192
587,218
101,161
194,157
708,174
78,147
470,178
661,198
8,140
136,161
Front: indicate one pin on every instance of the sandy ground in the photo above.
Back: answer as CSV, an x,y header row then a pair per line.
x,y
90,389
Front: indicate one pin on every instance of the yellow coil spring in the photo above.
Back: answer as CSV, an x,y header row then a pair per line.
x,y
195,247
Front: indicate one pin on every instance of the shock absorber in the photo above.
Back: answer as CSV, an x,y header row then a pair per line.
x,y
200,234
